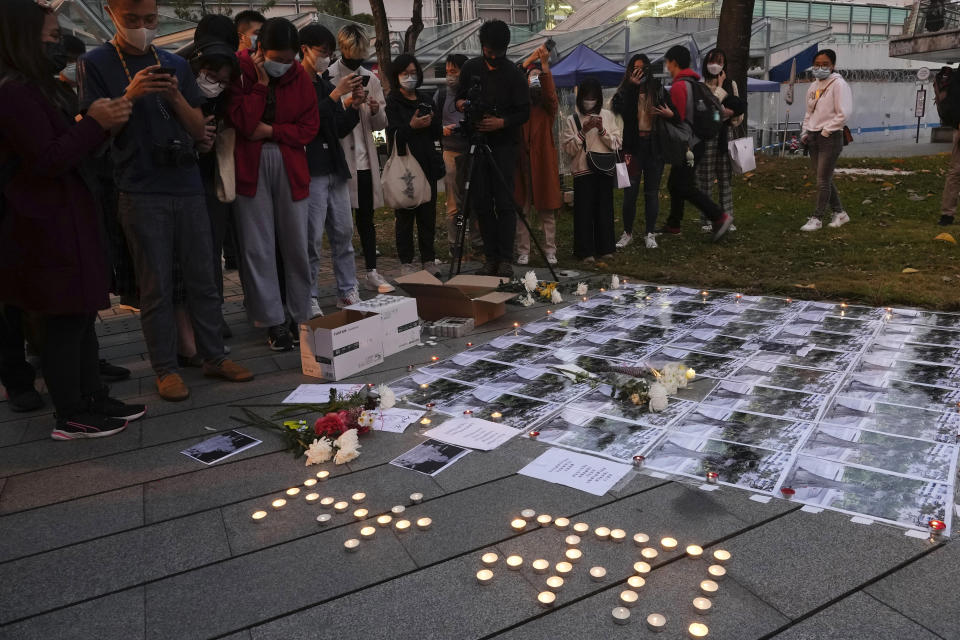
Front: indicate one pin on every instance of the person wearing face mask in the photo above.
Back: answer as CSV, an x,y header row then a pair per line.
x,y
329,208
360,149
248,24
537,183
829,105
595,129
73,47
161,201
273,106
413,126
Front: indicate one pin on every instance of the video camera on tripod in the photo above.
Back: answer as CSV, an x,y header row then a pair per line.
x,y
474,110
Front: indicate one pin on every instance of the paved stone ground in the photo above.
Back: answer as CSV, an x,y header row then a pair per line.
x,y
127,538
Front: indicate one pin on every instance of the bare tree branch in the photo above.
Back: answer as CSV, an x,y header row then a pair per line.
x,y
415,28
382,46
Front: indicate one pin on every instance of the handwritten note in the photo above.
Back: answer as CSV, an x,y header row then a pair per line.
x,y
472,433
579,471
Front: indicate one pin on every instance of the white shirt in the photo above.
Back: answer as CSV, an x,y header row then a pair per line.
x,y
829,105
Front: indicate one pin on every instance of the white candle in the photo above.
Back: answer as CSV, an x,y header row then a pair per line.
x,y
709,588
635,582
694,550
292,493
544,520
397,510
518,524
602,533
668,544
489,559
322,475
384,520
359,497
367,532
402,526
618,535
351,545
554,583
528,514
698,630
649,553
722,556
563,568
621,615
323,519
628,598
258,516
572,540
484,576
598,574
514,563
310,482
341,507
573,555
279,503
327,502
641,567
562,523
656,622
360,514
717,572
540,565
546,599
640,539
312,497
702,606
424,523
581,527
416,498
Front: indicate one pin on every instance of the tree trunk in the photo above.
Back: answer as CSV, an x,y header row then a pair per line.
x,y
383,42
733,36
413,31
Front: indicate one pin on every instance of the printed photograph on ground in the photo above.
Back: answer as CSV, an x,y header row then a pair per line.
x,y
746,428
604,436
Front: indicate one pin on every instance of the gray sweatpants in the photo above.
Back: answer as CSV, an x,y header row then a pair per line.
x,y
267,222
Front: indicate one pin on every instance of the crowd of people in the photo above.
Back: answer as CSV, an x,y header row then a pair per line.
x,y
128,169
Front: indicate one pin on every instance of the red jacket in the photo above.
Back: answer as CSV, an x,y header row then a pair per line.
x,y
296,123
678,91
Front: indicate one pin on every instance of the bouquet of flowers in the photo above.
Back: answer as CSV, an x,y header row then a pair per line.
x,y
636,385
534,290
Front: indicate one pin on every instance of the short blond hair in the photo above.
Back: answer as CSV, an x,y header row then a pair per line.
x,y
353,42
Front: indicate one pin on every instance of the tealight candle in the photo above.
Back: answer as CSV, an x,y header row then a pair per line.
x,y
694,550
528,514
312,497
425,421
598,574
572,540
641,567
514,563
563,568
367,532
484,576
554,583
640,539
279,503
546,599
635,582
544,520
602,533
384,520
709,588
518,524
310,482
327,502
668,544
562,524
360,514
258,516
618,535
397,510
292,493
489,559
628,598
322,475
540,565
656,622
351,545
402,526
621,615
721,555
358,497
424,523
703,606
717,572
416,498
698,630
573,555
341,506
649,553
581,527
496,415
323,519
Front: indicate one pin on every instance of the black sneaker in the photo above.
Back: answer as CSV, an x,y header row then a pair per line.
x,y
24,400
489,268
295,333
103,404
505,270
112,373
945,221
279,338
87,425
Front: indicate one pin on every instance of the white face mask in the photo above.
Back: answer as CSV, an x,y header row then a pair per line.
x,y
321,64
822,73
535,82
715,69
275,69
138,38
70,72
209,87
408,82
589,104
453,81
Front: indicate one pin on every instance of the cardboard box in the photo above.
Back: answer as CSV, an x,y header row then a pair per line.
x,y
400,325
341,344
462,296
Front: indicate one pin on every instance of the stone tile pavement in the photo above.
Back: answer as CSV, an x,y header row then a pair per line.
x,y
127,538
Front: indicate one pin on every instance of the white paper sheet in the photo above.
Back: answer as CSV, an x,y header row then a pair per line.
x,y
319,393
579,471
395,420
472,433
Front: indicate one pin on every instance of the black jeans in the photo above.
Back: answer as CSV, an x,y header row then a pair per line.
x,y
682,186
593,228
16,374
426,218
69,353
368,233
493,202
651,172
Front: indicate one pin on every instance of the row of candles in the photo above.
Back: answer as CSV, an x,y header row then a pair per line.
x,y
629,597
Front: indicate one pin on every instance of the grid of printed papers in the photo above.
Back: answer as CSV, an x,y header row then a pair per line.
x,y
855,408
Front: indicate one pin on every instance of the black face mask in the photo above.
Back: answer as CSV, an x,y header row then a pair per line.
x,y
56,56
351,63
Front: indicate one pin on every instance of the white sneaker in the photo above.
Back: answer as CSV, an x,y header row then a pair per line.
x,y
813,224
839,219
523,259
708,228
407,268
733,227
551,258
651,241
376,282
351,298
624,240
315,310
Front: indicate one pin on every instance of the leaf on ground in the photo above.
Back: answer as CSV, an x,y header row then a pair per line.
x,y
805,286
946,278
888,185
946,237
910,270
867,201
808,184
780,188
916,197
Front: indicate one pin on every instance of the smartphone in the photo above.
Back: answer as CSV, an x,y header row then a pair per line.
x,y
364,80
424,109
164,71
550,44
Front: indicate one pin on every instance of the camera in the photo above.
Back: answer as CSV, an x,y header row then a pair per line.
x,y
175,154
474,109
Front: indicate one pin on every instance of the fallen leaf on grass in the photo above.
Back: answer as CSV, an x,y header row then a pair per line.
x,y
805,286
867,201
946,278
910,270
916,197
946,237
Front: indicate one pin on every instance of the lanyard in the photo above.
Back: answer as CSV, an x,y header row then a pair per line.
x,y
123,60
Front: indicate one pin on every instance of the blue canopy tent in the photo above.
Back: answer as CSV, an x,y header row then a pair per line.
x,y
781,72
584,62
755,85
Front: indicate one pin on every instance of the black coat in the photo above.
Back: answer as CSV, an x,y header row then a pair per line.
x,y
420,142
324,153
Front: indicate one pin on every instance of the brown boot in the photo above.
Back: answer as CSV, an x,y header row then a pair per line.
x,y
228,370
172,388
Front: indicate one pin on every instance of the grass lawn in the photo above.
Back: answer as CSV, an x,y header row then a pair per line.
x,y
893,223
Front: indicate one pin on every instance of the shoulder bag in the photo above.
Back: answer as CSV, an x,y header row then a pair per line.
x,y
603,162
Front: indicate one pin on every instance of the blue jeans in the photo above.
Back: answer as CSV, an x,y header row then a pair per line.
x,y
651,171
329,209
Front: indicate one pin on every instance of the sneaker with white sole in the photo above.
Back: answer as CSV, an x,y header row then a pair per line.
x,y
624,240
839,219
523,259
813,224
651,241
87,425
315,310
376,282
407,268
707,228
352,297
551,259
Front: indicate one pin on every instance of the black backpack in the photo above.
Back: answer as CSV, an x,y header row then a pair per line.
x,y
705,111
946,95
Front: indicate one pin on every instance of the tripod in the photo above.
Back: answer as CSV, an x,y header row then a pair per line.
x,y
480,149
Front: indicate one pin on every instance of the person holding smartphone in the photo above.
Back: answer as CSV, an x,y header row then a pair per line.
x,y
411,123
